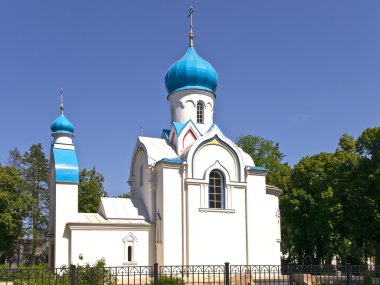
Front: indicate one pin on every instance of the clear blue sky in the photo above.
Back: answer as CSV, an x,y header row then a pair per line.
x,y
300,73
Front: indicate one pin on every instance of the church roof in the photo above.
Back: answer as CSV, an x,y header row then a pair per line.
x,y
97,219
247,159
122,209
179,127
157,149
62,125
191,72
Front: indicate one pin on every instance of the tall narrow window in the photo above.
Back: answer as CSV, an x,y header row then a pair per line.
x,y
200,113
141,175
130,253
216,190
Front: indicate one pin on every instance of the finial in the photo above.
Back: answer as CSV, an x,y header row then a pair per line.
x,y
191,35
61,107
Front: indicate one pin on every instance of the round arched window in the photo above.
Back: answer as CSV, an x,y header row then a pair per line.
x,y
216,190
200,113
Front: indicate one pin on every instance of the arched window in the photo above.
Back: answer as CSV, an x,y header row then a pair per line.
x,y
200,113
216,190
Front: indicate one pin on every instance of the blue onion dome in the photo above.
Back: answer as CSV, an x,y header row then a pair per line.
x,y
62,125
191,72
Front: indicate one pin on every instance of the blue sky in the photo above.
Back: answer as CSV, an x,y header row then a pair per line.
x,y
300,73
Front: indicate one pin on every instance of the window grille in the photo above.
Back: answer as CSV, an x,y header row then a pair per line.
x,y
200,113
216,190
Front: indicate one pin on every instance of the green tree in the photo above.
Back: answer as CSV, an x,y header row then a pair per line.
x,y
35,176
267,153
125,195
311,211
332,208
368,145
15,160
91,189
12,210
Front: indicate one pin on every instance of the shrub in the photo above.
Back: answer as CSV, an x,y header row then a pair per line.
x,y
95,274
170,280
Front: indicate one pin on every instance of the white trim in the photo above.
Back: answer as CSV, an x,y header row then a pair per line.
x,y
216,210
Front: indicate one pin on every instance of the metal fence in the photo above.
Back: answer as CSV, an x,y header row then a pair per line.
x,y
196,275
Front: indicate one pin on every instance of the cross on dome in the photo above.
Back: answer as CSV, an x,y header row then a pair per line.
x,y
61,107
191,71
62,125
191,35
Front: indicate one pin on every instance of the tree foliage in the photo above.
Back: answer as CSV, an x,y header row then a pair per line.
x,y
332,207
34,172
12,210
267,153
91,189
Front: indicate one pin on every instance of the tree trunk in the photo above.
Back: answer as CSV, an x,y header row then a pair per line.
x,y
377,258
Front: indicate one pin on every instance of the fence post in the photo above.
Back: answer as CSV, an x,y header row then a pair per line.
x,y
226,273
72,274
348,274
291,273
155,274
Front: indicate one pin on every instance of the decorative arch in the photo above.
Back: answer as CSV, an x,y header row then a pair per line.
x,y
190,101
181,105
216,140
217,165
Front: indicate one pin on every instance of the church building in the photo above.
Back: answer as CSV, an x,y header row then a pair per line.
x,y
197,198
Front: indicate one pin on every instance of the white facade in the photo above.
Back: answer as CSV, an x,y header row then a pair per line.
x,y
197,198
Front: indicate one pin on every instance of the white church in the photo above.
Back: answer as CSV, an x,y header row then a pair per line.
x,y
197,198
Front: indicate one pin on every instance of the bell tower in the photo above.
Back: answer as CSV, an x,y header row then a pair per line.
x,y
63,188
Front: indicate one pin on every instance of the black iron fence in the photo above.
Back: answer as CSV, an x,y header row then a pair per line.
x,y
196,275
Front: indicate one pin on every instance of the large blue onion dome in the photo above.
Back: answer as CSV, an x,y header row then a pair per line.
x,y
62,125
191,72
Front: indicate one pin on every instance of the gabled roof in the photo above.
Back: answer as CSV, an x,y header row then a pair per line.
x,y
179,127
215,125
122,209
157,149
95,219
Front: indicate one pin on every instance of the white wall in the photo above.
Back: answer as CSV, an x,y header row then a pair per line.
x,y
264,249
94,244
66,209
216,237
144,190
171,213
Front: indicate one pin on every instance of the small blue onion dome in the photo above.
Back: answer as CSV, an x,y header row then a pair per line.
x,y
62,125
191,72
